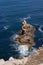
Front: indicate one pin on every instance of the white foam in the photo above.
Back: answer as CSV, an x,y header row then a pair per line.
x,y
40,28
14,47
13,37
28,17
5,28
23,50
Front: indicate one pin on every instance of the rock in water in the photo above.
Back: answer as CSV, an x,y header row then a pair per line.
x,y
26,35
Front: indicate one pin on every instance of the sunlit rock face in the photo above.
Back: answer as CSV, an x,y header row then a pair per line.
x,y
26,35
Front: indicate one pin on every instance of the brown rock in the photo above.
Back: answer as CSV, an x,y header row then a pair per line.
x,y
26,35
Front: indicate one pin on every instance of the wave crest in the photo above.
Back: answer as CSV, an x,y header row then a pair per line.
x,y
41,28
13,37
28,17
23,50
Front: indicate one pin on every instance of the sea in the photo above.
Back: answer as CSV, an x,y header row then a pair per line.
x,y
12,13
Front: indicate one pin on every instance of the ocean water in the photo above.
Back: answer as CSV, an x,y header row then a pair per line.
x,y
12,12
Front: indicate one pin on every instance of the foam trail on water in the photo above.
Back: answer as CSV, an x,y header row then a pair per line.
x,y
6,27
23,49
14,47
13,37
41,28
28,17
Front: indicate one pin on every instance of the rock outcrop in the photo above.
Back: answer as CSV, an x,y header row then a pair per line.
x,y
34,59
26,35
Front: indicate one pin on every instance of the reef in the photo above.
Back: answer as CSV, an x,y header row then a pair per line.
x,y
26,35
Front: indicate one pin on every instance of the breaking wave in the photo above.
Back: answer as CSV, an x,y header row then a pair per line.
x,y
13,37
28,17
23,50
41,28
6,27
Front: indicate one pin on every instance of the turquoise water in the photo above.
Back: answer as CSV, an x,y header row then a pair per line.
x,y
12,12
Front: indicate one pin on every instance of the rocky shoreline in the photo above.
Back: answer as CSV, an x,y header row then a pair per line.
x,y
26,40
34,59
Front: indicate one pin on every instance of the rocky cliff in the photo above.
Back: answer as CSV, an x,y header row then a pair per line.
x,y
34,59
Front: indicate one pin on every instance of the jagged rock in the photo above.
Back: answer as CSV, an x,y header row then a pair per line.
x,y
26,35
2,61
34,59
27,28
18,61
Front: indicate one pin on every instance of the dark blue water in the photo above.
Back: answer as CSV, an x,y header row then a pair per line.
x,y
12,12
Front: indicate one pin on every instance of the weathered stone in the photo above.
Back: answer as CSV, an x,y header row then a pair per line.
x,y
26,35
2,61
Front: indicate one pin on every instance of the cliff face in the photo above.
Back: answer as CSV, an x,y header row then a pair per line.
x,y
26,35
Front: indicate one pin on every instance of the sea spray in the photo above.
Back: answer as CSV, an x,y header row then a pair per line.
x,y
13,37
24,51
41,28
25,18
